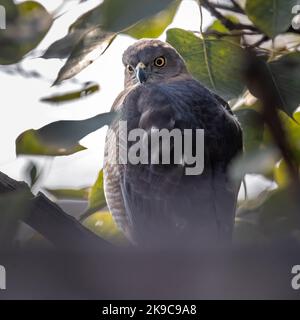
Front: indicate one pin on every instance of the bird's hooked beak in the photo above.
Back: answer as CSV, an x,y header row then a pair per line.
x,y
141,73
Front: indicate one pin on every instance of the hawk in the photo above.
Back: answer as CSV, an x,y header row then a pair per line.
x,y
159,203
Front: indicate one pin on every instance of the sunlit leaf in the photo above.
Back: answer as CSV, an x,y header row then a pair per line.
x,y
88,89
24,31
281,174
154,26
61,137
32,143
271,16
96,196
103,224
215,63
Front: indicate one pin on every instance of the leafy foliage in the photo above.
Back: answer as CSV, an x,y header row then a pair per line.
x,y
221,57
27,24
216,63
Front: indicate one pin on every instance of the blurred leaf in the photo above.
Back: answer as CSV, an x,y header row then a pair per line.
x,y
63,47
253,128
61,137
88,89
69,194
117,15
285,74
97,199
103,224
31,143
154,26
271,16
215,63
11,10
257,161
24,31
92,45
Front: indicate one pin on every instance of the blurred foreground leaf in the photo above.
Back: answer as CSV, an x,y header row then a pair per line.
x,y
271,217
87,90
260,161
253,128
27,25
117,15
271,16
215,63
91,45
154,26
61,137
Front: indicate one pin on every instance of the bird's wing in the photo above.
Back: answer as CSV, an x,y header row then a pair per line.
x,y
112,172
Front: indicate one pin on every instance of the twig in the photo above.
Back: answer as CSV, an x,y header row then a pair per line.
x,y
225,21
259,42
229,8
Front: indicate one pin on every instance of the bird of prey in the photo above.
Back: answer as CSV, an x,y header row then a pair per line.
x,y
160,203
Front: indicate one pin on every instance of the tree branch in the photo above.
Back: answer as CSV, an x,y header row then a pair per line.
x,y
225,21
62,230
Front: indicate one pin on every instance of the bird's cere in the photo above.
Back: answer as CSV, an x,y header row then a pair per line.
x,y
139,146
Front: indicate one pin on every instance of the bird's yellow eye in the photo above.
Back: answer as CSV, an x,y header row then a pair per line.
x,y
130,68
160,62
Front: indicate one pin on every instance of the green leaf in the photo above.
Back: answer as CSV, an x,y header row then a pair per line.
x,y
117,15
11,10
63,47
253,128
31,143
154,26
88,89
281,174
25,30
61,137
285,73
69,194
103,225
215,63
271,16
93,44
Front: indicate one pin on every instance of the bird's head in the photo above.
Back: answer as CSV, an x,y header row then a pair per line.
x,y
150,60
